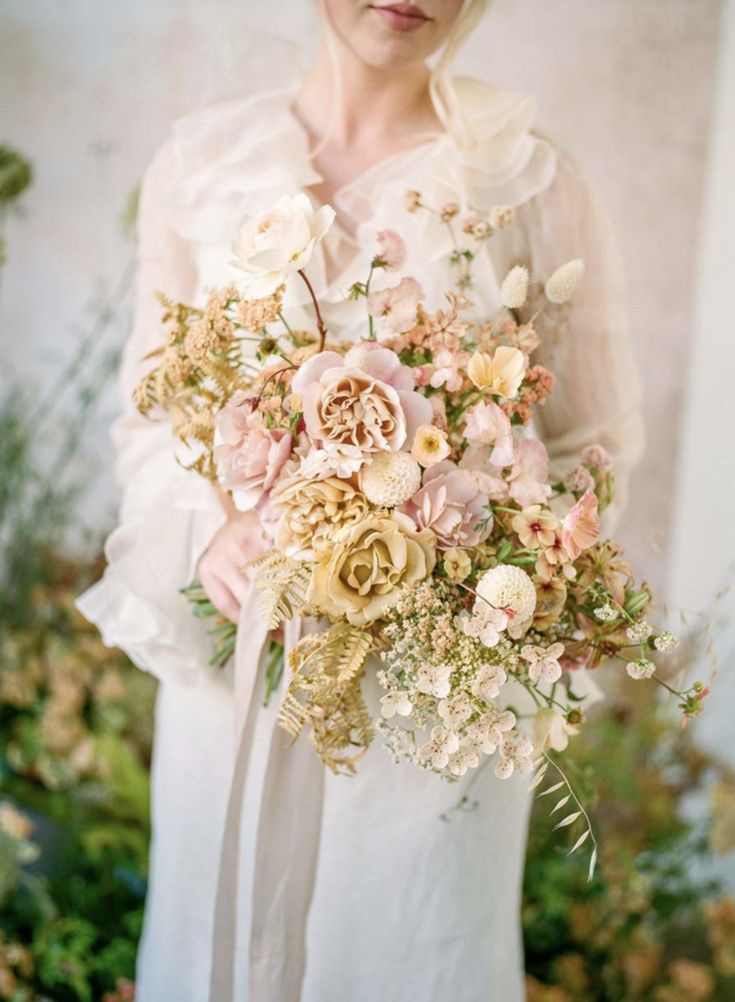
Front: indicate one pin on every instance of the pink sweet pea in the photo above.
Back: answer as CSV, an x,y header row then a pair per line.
x,y
527,482
446,366
392,250
489,478
488,424
395,308
581,525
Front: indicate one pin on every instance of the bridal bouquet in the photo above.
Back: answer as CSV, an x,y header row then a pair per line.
x,y
407,503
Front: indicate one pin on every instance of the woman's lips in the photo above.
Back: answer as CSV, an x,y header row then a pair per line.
x,y
401,16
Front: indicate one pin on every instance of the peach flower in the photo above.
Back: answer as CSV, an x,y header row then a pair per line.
x,y
501,373
581,525
361,403
430,445
451,505
250,456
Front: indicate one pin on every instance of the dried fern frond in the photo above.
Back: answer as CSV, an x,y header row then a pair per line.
x,y
325,695
281,584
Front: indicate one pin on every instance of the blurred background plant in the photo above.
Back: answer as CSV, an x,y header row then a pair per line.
x,y
75,739
16,175
654,924
75,717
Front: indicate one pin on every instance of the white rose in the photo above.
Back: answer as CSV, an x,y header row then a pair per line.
x,y
278,242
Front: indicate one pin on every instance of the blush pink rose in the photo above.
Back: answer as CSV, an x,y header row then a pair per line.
x,y
361,401
249,455
450,504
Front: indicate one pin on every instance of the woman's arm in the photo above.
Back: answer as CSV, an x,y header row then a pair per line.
x,y
169,516
586,343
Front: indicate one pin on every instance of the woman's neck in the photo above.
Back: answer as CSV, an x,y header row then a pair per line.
x,y
369,107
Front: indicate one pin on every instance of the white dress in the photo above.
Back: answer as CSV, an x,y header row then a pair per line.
x,y
332,889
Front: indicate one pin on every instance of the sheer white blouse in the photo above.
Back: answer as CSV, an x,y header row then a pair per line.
x,y
271,880
233,159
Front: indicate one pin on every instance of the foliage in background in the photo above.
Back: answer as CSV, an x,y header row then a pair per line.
x,y
16,174
651,926
75,718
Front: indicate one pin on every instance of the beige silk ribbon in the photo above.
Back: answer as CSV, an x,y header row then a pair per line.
x,y
287,840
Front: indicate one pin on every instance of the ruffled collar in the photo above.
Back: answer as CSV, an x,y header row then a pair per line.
x,y
234,158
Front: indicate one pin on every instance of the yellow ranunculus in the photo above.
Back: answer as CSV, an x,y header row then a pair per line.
x,y
501,373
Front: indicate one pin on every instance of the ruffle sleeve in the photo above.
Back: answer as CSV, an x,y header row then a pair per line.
x,y
586,342
168,515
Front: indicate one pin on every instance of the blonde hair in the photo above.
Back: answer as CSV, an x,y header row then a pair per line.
x,y
441,89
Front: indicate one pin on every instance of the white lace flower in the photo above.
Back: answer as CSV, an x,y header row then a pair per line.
x,y
563,283
516,755
543,662
502,216
438,748
487,732
455,711
638,633
606,613
433,680
485,624
464,758
518,628
514,289
665,641
508,588
488,682
390,479
642,668
395,702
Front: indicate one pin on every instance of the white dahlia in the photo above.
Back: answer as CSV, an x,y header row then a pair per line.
x,y
509,588
390,479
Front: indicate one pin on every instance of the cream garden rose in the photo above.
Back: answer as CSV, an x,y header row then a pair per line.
x,y
312,510
360,575
279,242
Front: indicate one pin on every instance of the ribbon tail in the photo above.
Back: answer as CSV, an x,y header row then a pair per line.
x,y
250,657
286,861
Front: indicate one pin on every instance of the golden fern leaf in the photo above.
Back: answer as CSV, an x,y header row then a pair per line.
x,y
281,584
325,695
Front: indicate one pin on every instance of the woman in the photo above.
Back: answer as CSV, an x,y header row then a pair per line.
x,y
269,880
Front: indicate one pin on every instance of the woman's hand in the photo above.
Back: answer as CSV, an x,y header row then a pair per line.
x,y
220,567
